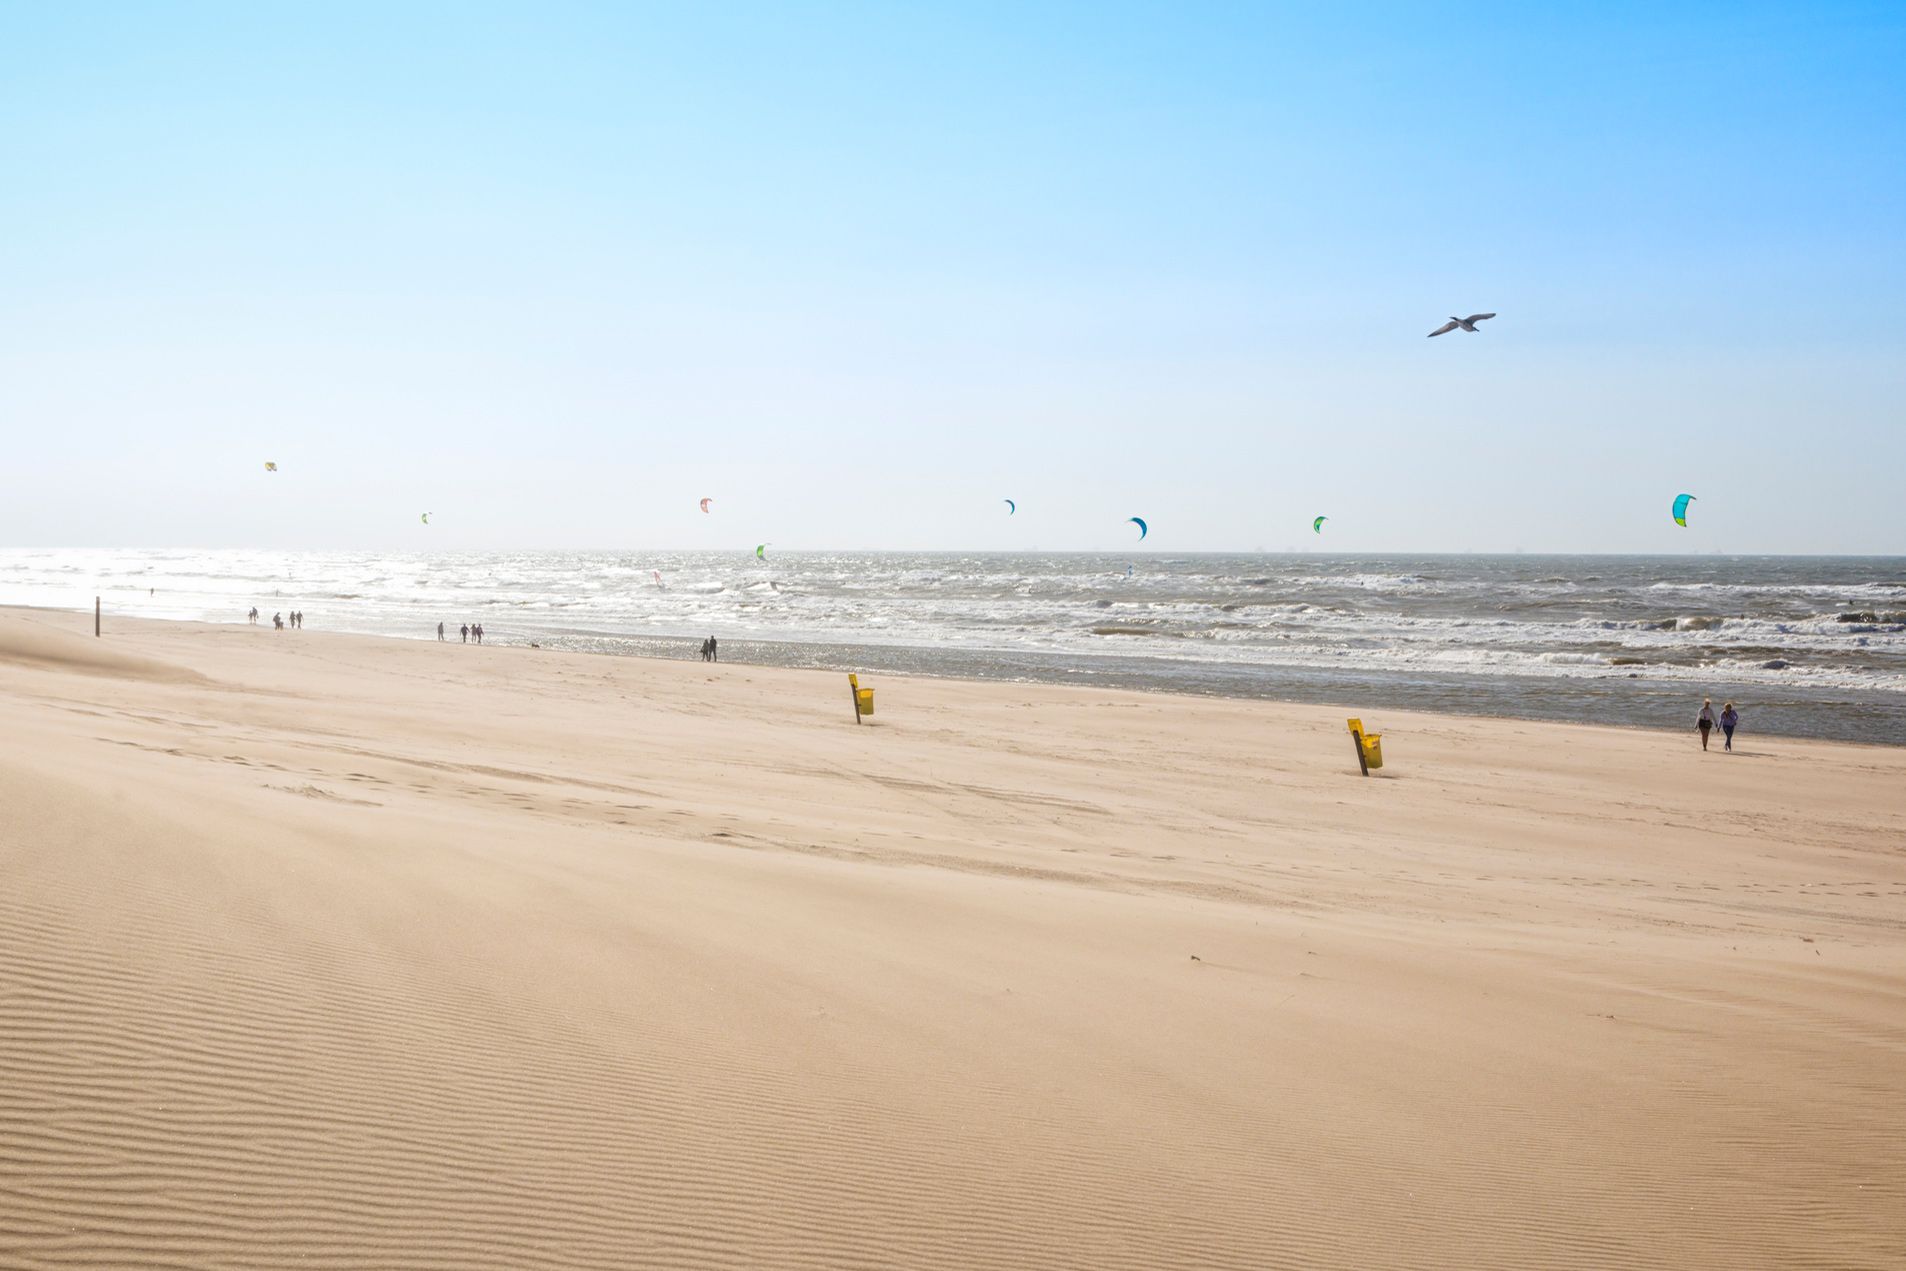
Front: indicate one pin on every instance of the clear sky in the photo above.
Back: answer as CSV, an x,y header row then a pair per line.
x,y
553,272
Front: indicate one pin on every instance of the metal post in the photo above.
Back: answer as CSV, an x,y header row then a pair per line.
x,y
95,617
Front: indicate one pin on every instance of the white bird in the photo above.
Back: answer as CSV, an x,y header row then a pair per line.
x,y
1467,324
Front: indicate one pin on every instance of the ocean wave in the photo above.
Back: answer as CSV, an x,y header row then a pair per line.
x,y
1833,625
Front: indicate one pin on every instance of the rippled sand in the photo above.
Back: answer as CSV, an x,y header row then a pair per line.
x,y
330,951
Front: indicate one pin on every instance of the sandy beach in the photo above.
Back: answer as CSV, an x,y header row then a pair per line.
x,y
337,951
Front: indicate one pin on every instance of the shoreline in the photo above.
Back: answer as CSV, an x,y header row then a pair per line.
x,y
1565,700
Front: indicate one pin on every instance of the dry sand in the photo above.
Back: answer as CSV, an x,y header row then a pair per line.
x,y
329,951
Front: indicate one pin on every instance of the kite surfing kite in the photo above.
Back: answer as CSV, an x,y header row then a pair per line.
x,y
761,551
705,503
1681,502
1139,521
270,466
426,518
658,576
1317,526
1012,509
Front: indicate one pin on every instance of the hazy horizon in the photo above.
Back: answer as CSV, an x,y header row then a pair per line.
x,y
861,276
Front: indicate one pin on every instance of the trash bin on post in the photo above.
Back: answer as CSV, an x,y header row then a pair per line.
x,y
1369,746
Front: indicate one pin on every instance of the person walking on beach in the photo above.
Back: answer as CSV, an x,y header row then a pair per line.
x,y
252,617
714,650
440,631
478,628
1730,719
1705,721
277,622
464,631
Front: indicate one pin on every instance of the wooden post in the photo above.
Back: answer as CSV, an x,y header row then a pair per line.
x,y
1357,738
95,617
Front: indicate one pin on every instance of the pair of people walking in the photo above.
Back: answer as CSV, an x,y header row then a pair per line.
x,y
1729,720
469,631
711,652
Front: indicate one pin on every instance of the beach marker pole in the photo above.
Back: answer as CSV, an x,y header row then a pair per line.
x,y
95,617
853,694
1356,739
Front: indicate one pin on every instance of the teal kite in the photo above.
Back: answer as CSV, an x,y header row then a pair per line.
x,y
1317,526
1012,509
1139,521
1681,502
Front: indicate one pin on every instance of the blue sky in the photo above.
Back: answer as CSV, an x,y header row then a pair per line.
x,y
553,272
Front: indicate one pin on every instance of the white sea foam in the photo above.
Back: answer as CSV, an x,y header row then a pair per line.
x,y
1783,625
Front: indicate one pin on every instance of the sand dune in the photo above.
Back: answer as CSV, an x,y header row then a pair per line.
x,y
65,647
326,951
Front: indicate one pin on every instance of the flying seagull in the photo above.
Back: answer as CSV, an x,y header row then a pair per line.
x,y
1467,324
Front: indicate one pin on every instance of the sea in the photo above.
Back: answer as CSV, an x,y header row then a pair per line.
x,y
1805,646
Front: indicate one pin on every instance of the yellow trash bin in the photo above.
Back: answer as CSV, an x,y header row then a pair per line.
x,y
863,698
1369,746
